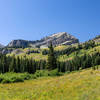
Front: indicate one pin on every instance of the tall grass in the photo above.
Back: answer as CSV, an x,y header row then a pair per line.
x,y
80,85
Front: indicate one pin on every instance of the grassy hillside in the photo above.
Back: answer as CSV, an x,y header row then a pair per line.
x,y
64,57
81,85
79,53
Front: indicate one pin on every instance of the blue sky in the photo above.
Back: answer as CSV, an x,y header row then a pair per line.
x,y
34,19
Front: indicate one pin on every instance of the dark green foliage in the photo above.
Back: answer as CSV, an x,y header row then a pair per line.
x,y
80,46
6,81
15,77
52,63
55,73
40,73
1,79
82,62
12,66
89,44
45,52
17,65
44,73
20,65
32,51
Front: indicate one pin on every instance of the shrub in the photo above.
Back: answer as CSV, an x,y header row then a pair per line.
x,y
26,76
1,79
6,81
40,73
17,79
43,73
55,73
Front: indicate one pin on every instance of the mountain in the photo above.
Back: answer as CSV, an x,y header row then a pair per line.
x,y
1,46
57,39
19,43
97,39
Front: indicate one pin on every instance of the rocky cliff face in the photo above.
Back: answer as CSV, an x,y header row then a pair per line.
x,y
57,39
18,43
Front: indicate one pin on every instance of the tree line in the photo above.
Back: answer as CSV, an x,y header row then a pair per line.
x,y
20,65
80,62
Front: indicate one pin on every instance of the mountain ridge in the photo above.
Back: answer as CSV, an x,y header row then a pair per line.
x,y
1,46
57,39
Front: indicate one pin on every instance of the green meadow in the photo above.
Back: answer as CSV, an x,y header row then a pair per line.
x,y
78,85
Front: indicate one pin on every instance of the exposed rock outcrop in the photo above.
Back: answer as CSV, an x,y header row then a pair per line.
x,y
57,39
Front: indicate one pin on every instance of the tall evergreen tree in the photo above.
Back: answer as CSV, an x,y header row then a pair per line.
x,y
12,65
17,69
52,62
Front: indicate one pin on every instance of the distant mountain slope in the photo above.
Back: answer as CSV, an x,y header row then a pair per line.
x,y
19,43
57,39
97,38
1,46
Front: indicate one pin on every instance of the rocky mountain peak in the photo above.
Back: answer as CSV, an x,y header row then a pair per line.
x,y
58,34
60,38
56,38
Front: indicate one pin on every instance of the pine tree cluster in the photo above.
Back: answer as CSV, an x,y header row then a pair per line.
x,y
79,62
20,65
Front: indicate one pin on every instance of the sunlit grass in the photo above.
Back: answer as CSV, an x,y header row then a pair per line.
x,y
81,85
61,47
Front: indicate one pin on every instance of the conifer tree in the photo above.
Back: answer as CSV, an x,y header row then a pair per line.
x,y
17,65
12,65
52,63
22,65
